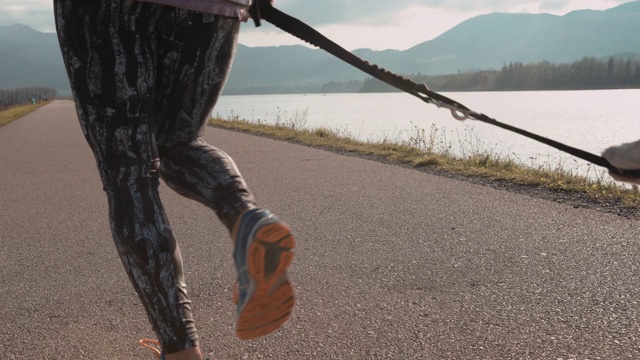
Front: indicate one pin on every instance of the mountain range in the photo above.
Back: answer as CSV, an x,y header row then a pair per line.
x,y
32,58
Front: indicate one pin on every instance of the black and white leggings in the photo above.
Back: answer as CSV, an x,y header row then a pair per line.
x,y
145,78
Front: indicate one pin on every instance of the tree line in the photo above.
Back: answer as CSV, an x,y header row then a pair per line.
x,y
21,96
589,73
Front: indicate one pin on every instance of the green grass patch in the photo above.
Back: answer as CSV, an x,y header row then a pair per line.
x,y
7,115
429,149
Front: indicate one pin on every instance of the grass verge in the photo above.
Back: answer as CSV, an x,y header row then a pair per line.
x,y
7,115
420,152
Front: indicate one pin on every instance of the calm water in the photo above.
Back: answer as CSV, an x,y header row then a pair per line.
x,y
589,120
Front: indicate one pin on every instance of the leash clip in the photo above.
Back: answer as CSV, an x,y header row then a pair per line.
x,y
457,113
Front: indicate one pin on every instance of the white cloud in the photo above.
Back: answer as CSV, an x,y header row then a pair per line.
x,y
376,24
36,13
400,27
401,30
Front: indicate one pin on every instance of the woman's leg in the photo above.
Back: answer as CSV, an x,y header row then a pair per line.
x,y
198,58
109,49
197,54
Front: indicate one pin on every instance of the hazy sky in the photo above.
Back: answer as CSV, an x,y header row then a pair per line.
x,y
375,24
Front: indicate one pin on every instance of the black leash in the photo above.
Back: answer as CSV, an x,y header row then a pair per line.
x,y
262,9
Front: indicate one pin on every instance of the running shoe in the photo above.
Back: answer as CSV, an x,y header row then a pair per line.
x,y
263,252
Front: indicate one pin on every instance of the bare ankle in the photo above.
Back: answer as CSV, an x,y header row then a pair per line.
x,y
189,354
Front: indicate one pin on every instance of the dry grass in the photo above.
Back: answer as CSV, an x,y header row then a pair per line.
x,y
422,151
8,115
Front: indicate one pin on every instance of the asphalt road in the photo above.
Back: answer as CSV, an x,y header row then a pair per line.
x,y
391,263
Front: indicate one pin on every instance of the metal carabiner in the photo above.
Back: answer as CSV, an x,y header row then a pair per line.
x,y
456,112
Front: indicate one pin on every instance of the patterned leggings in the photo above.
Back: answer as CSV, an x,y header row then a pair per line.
x,y
145,78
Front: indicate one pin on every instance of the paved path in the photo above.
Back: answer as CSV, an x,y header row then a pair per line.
x,y
391,263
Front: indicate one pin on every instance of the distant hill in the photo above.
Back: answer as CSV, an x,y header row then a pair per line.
x,y
491,40
32,58
484,42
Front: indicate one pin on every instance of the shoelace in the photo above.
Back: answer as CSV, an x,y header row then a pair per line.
x,y
152,345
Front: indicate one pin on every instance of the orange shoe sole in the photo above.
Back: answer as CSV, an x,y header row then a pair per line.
x,y
271,303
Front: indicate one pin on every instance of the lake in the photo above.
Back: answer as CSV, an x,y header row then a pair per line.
x,y
589,120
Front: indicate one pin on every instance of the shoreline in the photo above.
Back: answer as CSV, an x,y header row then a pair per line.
x,y
613,198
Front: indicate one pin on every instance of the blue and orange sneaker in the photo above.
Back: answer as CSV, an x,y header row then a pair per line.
x,y
263,252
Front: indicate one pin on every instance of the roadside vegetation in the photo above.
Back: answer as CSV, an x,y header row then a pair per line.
x,y
430,150
21,96
9,114
589,73
16,103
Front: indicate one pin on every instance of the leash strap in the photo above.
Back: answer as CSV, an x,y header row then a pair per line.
x,y
262,9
